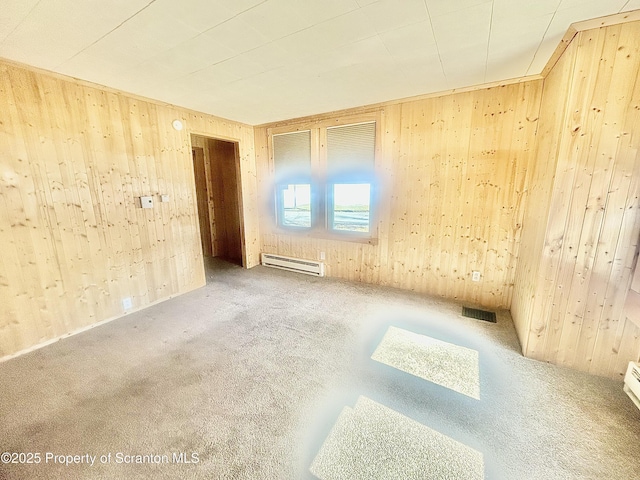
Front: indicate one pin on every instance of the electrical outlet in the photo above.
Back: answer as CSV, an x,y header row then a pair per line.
x,y
127,304
322,256
146,202
164,198
475,276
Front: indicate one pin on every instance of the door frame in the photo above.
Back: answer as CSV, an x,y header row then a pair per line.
x,y
239,189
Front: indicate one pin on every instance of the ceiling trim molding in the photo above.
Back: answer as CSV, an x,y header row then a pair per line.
x,y
575,28
105,88
377,106
609,20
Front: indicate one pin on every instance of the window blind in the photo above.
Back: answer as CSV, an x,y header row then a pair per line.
x,y
292,155
351,148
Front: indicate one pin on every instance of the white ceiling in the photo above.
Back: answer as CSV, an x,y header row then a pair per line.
x,y
258,61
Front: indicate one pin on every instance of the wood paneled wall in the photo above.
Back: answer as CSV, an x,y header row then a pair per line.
x,y
453,172
74,160
569,308
547,209
538,199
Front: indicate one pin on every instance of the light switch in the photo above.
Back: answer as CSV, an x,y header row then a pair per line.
x,y
164,198
146,202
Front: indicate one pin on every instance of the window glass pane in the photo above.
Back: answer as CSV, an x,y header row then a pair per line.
x,y
351,207
296,205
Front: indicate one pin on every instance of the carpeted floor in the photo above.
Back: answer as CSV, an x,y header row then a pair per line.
x,y
265,374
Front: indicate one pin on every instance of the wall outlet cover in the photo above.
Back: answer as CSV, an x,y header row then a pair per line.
x,y
475,276
127,304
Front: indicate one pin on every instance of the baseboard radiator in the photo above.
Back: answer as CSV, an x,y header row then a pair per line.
x,y
308,267
632,383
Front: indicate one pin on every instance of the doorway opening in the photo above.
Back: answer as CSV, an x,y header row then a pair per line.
x,y
216,169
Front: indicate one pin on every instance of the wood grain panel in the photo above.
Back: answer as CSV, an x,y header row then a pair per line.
x,y
74,160
571,311
199,142
202,194
452,172
531,279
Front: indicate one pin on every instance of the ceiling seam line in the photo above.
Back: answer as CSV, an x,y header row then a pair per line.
x,y
542,39
108,33
287,36
21,22
225,21
275,68
389,53
486,60
268,43
209,29
436,40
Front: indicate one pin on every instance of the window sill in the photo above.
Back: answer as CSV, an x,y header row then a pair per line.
x,y
325,235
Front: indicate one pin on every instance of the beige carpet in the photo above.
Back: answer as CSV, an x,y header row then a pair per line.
x,y
372,441
444,363
250,376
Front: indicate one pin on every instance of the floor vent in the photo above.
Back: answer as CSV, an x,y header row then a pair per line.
x,y
479,314
308,267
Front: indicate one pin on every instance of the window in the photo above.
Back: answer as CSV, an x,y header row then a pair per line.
x,y
292,165
324,180
350,167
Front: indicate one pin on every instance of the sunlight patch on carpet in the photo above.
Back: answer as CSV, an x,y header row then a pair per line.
x,y
446,364
371,441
